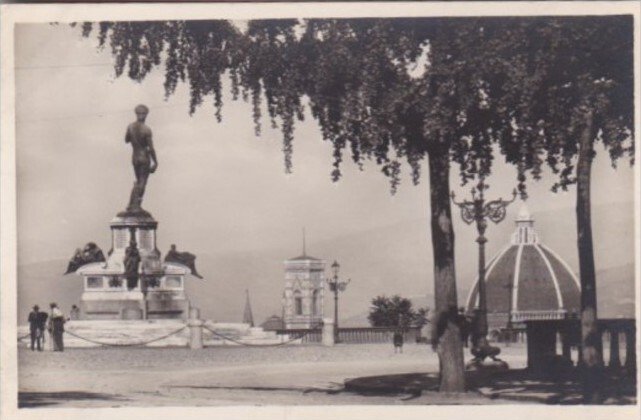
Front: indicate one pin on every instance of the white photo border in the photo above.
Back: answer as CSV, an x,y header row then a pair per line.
x,y
12,14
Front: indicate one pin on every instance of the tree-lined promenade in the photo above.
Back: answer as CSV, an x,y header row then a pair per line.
x,y
533,91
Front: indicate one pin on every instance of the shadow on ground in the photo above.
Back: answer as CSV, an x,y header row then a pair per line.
x,y
43,399
516,385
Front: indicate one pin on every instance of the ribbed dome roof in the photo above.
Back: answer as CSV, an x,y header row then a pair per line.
x,y
527,280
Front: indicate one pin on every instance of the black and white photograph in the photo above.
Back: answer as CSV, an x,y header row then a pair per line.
x,y
330,206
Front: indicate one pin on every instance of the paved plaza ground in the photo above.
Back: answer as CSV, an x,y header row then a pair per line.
x,y
219,376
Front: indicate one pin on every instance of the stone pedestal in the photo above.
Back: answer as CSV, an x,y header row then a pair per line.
x,y
132,313
106,293
631,350
541,344
328,332
144,228
195,325
615,361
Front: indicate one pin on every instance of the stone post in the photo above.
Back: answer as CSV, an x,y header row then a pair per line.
x,y
195,325
615,361
566,340
567,347
328,332
630,350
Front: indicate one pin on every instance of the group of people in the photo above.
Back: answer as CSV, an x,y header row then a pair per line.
x,y
53,322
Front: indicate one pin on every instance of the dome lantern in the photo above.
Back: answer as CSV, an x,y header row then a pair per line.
x,y
524,233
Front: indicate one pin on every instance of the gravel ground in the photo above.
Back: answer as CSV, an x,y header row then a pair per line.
x,y
304,374
109,358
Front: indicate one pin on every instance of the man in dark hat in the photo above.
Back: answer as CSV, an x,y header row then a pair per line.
x,y
34,328
144,156
397,339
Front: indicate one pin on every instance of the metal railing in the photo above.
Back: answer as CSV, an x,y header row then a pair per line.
x,y
356,335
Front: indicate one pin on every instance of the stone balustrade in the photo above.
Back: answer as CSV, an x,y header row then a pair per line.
x,y
543,339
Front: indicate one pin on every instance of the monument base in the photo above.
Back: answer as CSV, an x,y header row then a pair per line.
x,y
114,305
109,304
108,294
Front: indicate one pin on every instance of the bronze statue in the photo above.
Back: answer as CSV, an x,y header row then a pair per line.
x,y
143,159
89,254
132,263
184,258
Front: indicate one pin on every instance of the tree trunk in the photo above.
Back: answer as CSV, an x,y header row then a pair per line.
x,y
591,343
447,330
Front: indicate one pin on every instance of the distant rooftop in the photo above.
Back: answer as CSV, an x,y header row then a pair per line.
x,y
303,258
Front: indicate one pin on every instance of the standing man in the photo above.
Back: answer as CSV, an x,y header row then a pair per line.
x,y
143,158
34,328
398,341
42,325
75,312
57,327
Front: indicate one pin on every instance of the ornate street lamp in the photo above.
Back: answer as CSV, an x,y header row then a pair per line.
x,y
478,211
335,285
510,288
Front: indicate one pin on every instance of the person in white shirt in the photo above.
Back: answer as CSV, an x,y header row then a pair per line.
x,y
57,327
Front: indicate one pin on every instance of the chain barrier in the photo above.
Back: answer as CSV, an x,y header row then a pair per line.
x,y
254,345
141,343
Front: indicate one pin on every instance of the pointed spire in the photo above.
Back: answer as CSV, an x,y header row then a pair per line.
x,y
248,317
304,245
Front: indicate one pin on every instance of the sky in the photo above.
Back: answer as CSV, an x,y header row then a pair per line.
x,y
219,188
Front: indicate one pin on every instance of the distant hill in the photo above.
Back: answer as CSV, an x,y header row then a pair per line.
x,y
615,294
42,283
389,260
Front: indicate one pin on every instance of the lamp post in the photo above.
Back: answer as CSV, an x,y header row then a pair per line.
x,y
335,285
478,211
510,287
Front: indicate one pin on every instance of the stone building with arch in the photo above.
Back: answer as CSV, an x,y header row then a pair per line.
x,y
303,297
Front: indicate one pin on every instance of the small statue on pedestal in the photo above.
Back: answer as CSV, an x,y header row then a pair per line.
x,y
132,263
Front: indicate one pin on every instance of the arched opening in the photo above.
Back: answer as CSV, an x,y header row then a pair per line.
x,y
298,303
315,309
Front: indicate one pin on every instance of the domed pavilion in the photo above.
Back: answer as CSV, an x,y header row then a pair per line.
x,y
527,281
